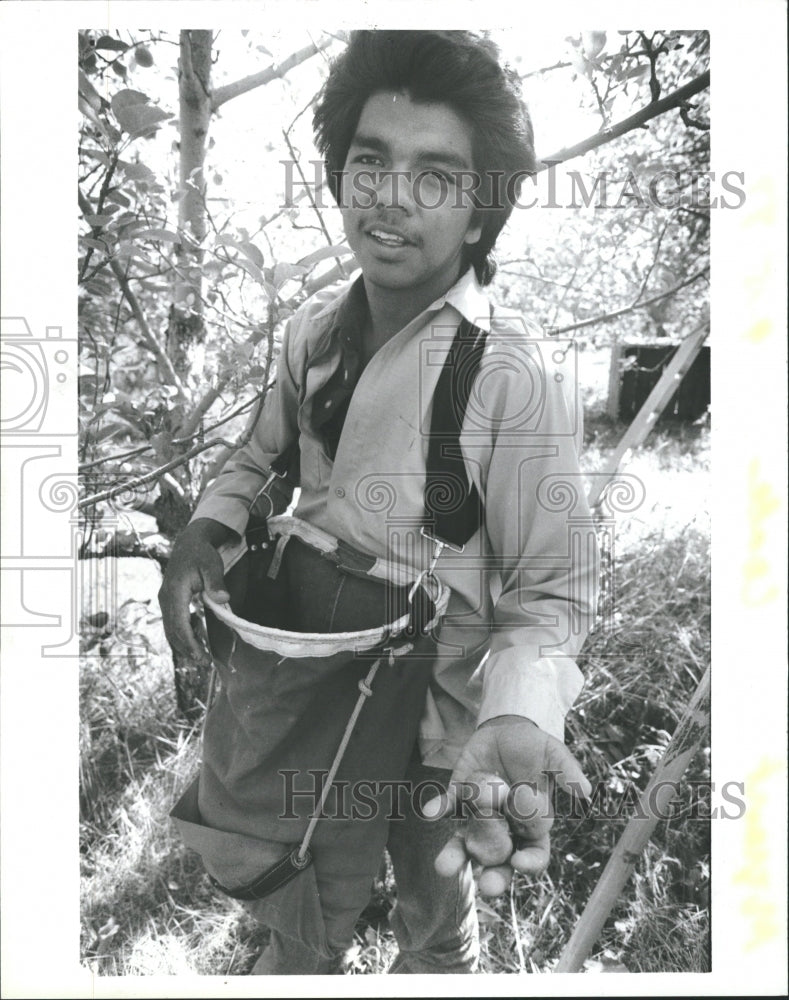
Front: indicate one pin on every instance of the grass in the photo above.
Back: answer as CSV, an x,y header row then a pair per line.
x,y
148,907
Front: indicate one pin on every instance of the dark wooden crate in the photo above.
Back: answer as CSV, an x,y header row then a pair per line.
x,y
630,385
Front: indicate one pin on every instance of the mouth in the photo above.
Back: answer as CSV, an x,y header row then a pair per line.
x,y
388,238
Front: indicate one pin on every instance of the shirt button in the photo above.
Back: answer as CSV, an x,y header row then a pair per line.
x,y
340,492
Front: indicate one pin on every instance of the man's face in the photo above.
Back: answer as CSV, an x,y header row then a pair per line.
x,y
407,214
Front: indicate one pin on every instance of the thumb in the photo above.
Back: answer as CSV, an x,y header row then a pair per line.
x,y
478,793
567,770
214,584
441,805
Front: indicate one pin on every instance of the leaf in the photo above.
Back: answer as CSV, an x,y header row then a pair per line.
x,y
97,221
119,198
255,254
94,244
243,352
128,98
89,92
637,72
284,272
139,119
143,57
251,269
111,430
126,251
91,115
97,154
113,44
137,171
163,235
318,255
593,42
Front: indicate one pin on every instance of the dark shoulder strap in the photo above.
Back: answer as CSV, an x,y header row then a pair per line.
x,y
453,507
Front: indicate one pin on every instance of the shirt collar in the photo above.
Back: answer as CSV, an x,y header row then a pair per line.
x,y
466,296
348,317
469,298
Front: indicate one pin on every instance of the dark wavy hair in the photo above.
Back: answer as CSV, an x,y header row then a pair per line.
x,y
458,68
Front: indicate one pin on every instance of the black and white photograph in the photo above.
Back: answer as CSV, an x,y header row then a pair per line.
x,y
393,438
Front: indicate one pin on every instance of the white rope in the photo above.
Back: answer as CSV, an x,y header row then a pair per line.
x,y
365,690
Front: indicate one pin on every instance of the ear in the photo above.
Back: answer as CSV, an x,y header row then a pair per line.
x,y
473,232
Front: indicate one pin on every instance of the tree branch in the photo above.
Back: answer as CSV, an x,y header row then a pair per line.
x,y
655,256
224,94
652,110
150,341
313,203
157,473
131,298
546,69
607,317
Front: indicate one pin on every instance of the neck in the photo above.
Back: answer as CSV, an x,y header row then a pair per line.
x,y
392,308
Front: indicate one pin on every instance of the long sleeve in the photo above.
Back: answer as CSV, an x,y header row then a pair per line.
x,y
541,535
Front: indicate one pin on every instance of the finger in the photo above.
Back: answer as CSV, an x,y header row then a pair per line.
x,y
494,881
488,792
452,857
440,806
529,809
533,858
488,841
217,596
178,626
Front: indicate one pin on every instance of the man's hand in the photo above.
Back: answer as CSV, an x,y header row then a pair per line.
x,y
502,786
194,567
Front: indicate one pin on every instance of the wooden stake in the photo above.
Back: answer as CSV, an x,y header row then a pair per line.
x,y
656,797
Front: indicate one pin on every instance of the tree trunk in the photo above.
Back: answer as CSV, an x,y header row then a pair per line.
x,y
186,328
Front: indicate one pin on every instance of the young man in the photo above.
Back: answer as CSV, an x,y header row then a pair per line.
x,y
425,141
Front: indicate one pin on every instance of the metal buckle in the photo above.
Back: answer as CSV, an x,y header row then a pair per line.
x,y
272,475
429,573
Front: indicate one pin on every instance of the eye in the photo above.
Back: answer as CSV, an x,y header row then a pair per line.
x,y
368,160
439,176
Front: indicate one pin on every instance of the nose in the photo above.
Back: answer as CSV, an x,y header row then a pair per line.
x,y
395,190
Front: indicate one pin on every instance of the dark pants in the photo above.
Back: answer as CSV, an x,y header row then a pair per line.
x,y
275,716
434,919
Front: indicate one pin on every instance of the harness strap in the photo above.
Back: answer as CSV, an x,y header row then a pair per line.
x,y
453,507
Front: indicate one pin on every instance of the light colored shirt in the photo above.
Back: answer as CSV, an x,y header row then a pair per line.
x,y
524,588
